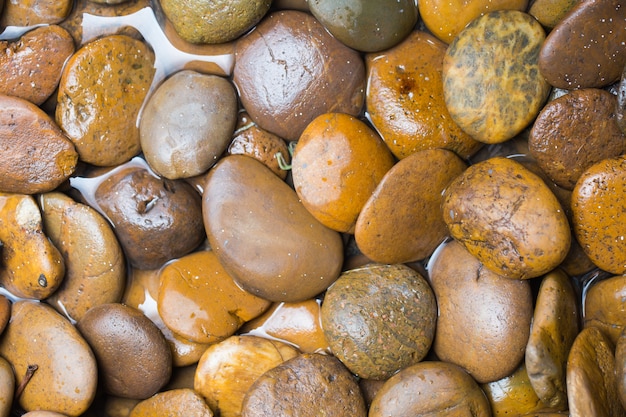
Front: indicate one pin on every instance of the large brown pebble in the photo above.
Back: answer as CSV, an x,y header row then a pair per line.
x,y
491,81
66,377
7,387
213,22
134,359
603,306
34,12
430,388
591,379
574,132
228,369
107,79
325,387
30,68
484,318
41,157
187,124
95,270
290,70
598,204
173,403
508,218
587,48
379,319
402,221
554,328
155,219
263,236
405,100
198,300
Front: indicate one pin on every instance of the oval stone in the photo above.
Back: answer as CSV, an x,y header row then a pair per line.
x,y
430,388
550,12
30,67
95,267
263,236
484,318
290,70
603,306
405,100
367,25
587,48
198,300
34,12
182,402
187,124
133,356
107,79
591,378
66,376
554,328
402,221
41,157
446,18
491,81
598,204
575,131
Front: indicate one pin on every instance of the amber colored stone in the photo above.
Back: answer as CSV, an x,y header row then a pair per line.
x,y
61,354
173,403
598,204
402,221
484,318
491,81
512,395
554,328
142,291
30,68
228,369
336,166
604,306
296,323
405,99
591,379
5,312
430,388
586,48
34,12
199,300
620,367
446,18
107,79
7,387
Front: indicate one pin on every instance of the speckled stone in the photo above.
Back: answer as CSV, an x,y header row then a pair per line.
x,y
588,46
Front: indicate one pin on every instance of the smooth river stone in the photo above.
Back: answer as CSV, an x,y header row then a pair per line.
x,y
36,156
491,81
591,377
289,70
34,12
263,236
555,326
550,12
104,81
31,66
405,101
446,18
604,306
587,48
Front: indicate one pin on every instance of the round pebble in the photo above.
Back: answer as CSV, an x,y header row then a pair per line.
x,y
603,306
290,70
405,100
173,403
